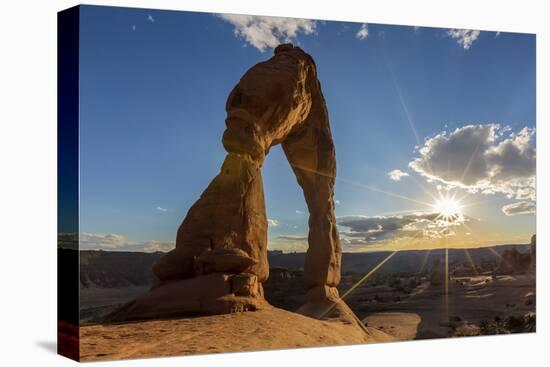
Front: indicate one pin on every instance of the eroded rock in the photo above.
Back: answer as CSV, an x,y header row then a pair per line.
x,y
212,294
278,101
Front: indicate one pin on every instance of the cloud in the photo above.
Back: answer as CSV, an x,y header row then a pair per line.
x,y
161,209
377,224
363,31
150,18
118,242
337,202
464,37
300,212
103,241
481,158
397,174
158,246
520,207
372,230
272,222
289,243
268,32
291,238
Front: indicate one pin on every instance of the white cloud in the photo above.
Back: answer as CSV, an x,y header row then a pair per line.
x,y
150,18
103,241
480,158
289,243
337,202
156,246
520,207
300,212
291,238
118,242
268,32
464,37
363,31
397,174
161,209
272,222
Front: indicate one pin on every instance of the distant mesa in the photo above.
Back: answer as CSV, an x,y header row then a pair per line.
x,y
514,262
220,259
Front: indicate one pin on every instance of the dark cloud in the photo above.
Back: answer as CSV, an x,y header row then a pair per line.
x,y
363,230
383,223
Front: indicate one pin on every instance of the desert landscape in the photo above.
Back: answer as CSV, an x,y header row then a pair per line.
x,y
498,296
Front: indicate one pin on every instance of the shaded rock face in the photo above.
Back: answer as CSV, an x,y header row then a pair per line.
x,y
533,253
278,101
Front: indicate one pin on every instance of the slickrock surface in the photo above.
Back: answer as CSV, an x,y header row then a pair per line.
x,y
400,325
267,329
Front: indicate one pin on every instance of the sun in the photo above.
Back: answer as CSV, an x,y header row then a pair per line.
x,y
448,208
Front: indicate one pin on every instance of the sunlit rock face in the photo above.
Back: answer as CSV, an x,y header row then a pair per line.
x,y
278,101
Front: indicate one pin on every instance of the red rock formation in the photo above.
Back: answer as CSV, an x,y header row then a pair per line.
x,y
278,101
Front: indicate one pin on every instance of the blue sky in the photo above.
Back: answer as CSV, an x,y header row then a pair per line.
x,y
153,91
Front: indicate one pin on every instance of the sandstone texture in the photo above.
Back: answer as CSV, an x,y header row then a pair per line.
x,y
222,241
266,329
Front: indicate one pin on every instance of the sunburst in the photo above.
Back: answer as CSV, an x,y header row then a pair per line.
x,y
448,208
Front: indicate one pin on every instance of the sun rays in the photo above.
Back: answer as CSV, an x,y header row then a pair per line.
x,y
446,202
448,208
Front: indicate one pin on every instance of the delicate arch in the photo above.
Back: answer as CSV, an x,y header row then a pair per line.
x,y
228,223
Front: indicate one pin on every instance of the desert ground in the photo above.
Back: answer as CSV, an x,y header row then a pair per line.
x,y
397,303
249,331
400,325
422,314
428,313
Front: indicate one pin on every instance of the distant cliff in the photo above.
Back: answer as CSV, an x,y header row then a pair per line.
x,y
110,269
119,269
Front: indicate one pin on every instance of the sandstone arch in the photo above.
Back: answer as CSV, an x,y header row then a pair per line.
x,y
276,102
220,259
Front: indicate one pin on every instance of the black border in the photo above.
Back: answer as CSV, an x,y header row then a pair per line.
x,y
68,26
